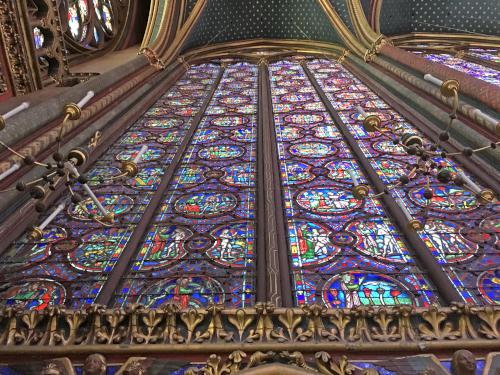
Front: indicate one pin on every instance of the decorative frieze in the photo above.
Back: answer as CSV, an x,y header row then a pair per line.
x,y
215,329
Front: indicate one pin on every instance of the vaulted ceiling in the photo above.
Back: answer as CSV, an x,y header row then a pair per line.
x,y
230,20
434,16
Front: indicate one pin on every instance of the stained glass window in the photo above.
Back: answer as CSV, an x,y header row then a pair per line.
x,y
344,251
91,23
200,249
491,55
72,262
38,37
199,181
481,72
459,232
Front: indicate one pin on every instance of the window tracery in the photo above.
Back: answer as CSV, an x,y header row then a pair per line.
x,y
199,249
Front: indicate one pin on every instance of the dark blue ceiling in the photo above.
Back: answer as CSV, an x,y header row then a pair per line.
x,y
230,20
454,16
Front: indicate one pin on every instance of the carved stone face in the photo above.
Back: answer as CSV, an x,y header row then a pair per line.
x,y
51,369
95,364
135,368
463,362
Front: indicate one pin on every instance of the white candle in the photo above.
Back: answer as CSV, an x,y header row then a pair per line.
x,y
361,110
86,99
138,157
16,110
353,177
89,191
52,216
9,171
469,183
432,79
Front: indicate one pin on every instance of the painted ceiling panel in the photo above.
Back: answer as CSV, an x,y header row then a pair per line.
x,y
229,20
395,17
474,16
341,7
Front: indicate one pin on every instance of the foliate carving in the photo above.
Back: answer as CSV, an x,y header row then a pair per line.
x,y
261,325
17,58
239,361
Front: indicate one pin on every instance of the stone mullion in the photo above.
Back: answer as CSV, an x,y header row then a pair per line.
x,y
122,265
271,236
436,274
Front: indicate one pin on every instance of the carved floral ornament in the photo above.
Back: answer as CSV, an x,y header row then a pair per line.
x,y
314,328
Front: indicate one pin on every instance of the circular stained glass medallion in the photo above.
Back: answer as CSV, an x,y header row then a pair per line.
x,y
186,292
207,204
167,123
289,133
99,250
297,173
388,147
116,204
147,179
358,288
162,246
328,201
445,199
206,136
34,294
379,239
190,175
303,119
26,254
445,237
297,98
153,153
221,152
312,149
134,138
489,286
234,245
235,100
310,244
327,132
229,121
239,175
243,134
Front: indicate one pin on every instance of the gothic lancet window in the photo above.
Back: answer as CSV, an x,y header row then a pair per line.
x,y
474,69
185,228
92,24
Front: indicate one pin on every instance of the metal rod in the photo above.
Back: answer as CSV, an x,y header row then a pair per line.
x,y
85,99
435,272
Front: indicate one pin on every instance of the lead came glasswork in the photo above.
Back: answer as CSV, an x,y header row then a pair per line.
x,y
466,249
73,260
200,249
481,72
343,251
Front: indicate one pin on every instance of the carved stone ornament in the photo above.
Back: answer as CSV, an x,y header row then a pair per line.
x,y
463,363
358,329
95,364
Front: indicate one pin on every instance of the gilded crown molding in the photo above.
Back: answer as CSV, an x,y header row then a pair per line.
x,y
309,329
254,49
446,39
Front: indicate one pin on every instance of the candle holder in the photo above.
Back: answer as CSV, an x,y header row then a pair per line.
x,y
424,152
64,169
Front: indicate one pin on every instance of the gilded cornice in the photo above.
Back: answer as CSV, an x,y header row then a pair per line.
x,y
309,329
256,49
449,39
